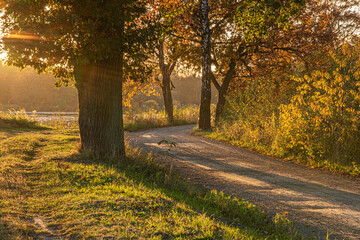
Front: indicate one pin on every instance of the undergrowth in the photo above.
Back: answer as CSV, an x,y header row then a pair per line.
x,y
312,118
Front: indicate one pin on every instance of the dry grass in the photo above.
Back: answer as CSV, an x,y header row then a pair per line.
x,y
154,119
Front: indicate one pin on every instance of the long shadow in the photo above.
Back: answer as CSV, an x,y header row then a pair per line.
x,y
309,188
180,190
305,189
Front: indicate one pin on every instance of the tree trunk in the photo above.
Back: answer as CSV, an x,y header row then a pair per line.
x,y
205,114
223,90
99,88
168,101
166,70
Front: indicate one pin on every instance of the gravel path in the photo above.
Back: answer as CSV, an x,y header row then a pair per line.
x,y
318,202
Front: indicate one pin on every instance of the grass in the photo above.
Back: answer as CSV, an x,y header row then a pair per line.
x,y
49,189
18,120
155,119
226,136
132,121
59,122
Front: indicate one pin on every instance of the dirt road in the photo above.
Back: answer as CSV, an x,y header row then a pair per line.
x,y
318,202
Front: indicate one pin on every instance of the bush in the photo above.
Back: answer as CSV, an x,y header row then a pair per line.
x,y
322,122
251,115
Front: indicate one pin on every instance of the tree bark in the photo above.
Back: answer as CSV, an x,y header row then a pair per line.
x,y
223,90
99,88
168,101
205,114
166,70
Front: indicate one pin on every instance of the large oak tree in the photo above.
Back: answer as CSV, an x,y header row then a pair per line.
x,y
98,43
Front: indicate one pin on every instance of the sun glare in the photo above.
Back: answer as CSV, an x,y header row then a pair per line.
x,y
3,56
22,36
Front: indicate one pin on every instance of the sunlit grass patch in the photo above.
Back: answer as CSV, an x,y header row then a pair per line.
x,y
59,121
49,189
18,119
153,118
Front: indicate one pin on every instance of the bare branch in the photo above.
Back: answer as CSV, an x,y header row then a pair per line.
x,y
172,85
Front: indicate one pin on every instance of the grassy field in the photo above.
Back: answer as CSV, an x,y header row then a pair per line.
x,y
133,121
49,189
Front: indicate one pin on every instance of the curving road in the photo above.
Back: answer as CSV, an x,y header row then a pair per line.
x,y
318,202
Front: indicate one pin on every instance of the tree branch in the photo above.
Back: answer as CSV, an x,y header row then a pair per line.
x,y
187,39
173,65
214,81
161,57
220,22
172,85
289,49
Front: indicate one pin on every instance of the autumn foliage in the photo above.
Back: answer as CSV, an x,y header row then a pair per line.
x,y
312,117
322,121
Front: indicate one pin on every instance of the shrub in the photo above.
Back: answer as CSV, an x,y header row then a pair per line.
x,y
323,119
251,115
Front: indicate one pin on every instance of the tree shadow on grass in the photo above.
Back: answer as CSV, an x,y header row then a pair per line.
x,y
142,169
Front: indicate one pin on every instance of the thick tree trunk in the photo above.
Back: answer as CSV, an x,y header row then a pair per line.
x,y
99,88
223,91
168,101
205,114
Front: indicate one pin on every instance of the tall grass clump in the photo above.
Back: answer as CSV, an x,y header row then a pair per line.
x,y
21,119
152,118
186,114
18,119
59,122
312,117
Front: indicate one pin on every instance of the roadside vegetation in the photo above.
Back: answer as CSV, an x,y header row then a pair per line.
x,y
311,118
49,188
